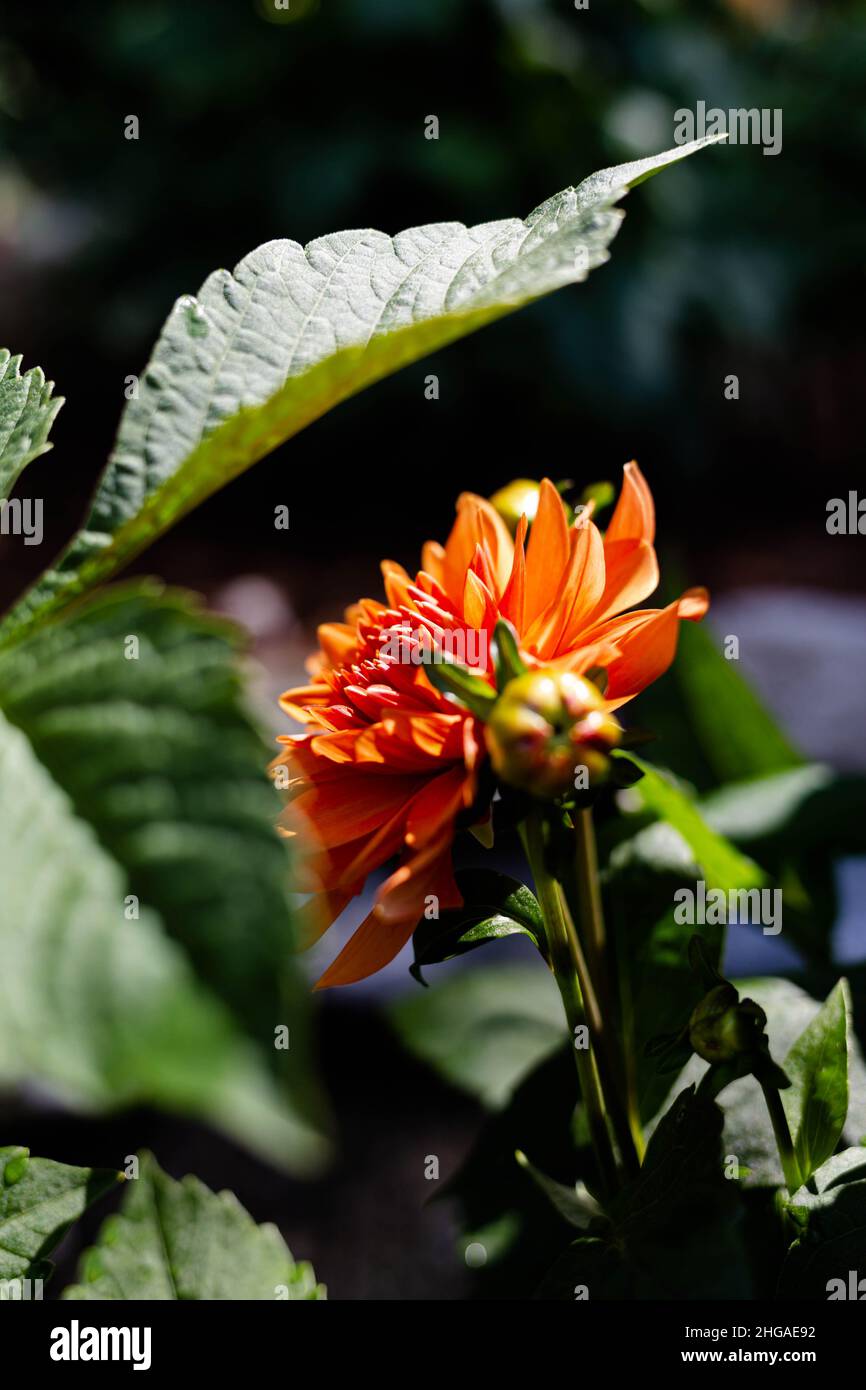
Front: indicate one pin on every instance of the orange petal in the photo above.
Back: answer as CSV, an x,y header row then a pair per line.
x,y
385,931
479,607
548,551
478,523
634,517
631,575
338,642
577,594
347,807
316,915
433,560
648,643
397,583
514,597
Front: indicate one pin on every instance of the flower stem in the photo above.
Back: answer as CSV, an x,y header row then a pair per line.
x,y
605,1060
784,1142
561,963
583,894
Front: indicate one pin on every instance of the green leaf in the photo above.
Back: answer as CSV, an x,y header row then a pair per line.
x,y
817,1103
575,1204
179,1240
460,684
676,1228
27,411
484,1029
748,1132
39,1200
828,1258
134,804
737,735
723,865
797,824
639,881
494,907
264,351
507,661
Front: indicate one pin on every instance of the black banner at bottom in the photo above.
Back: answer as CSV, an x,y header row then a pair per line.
x,y
230,1338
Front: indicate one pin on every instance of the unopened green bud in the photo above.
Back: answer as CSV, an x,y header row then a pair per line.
x,y
544,727
723,1026
520,498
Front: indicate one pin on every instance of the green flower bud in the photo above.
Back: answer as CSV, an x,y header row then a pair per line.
x,y
544,726
723,1026
520,498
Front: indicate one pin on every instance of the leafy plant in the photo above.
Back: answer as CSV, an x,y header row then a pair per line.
x,y
141,863
148,927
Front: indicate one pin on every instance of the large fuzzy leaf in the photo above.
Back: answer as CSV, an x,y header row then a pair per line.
x,y
133,800
39,1200
27,409
262,352
179,1240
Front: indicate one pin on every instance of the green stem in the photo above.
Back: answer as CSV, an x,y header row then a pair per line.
x,y
585,891
605,1062
572,998
784,1142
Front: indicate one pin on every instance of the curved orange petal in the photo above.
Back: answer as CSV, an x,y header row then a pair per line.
x,y
577,594
648,642
478,523
338,642
347,807
634,517
631,575
385,931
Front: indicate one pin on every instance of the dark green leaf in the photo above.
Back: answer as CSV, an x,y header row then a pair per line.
x,y
676,1228
484,1029
135,803
737,735
724,867
495,906
639,881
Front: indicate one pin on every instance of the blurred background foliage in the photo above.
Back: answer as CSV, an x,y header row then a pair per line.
x,y
258,123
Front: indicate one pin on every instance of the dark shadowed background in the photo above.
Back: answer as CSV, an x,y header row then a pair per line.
x,y
257,123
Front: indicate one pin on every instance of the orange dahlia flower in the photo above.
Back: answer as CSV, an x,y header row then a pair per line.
x,y
390,766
